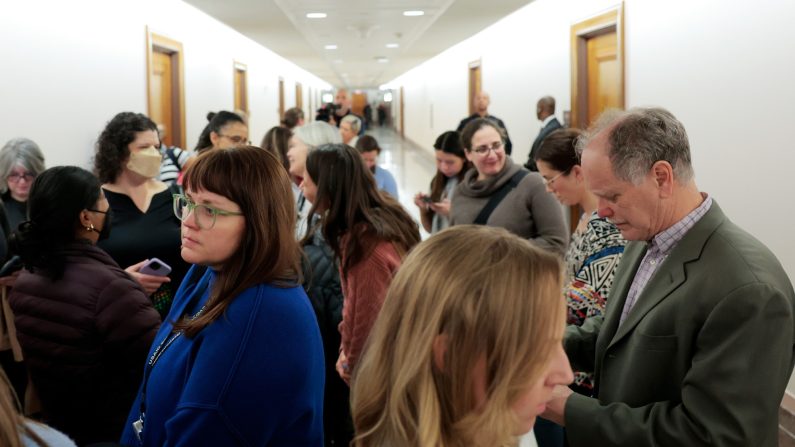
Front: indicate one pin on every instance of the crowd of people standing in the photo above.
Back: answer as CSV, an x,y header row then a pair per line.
x,y
280,295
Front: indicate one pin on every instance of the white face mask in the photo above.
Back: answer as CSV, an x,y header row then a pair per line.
x,y
145,162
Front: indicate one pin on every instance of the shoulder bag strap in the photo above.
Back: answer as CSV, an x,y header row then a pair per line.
x,y
497,197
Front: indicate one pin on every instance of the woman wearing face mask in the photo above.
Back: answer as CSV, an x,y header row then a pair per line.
x,y
84,325
451,165
127,161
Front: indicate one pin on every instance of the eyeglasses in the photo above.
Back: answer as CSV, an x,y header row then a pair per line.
x,y
204,215
484,150
15,177
237,139
97,211
552,180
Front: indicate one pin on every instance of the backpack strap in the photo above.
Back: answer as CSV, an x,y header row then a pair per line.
x,y
173,157
497,197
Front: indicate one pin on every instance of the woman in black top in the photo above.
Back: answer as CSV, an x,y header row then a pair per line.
x,y
144,226
21,161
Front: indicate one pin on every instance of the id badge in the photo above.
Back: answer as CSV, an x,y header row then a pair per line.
x,y
138,428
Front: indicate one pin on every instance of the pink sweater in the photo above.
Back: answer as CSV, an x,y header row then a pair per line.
x,y
364,289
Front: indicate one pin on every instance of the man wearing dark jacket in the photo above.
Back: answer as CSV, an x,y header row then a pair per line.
x,y
545,111
482,101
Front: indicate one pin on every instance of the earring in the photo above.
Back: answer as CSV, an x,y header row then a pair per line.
x,y
90,227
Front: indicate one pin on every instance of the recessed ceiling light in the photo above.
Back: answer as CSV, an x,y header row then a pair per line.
x,y
382,60
392,45
413,13
331,47
316,15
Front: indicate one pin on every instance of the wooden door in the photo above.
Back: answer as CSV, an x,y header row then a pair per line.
x,y
358,102
160,94
165,86
299,95
597,67
281,99
597,72
475,84
402,108
241,87
603,74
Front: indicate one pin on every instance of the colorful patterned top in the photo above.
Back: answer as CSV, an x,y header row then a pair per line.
x,y
591,261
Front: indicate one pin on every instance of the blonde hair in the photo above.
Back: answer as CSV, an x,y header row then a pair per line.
x,y
12,423
492,296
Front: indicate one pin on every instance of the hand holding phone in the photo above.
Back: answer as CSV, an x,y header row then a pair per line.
x,y
426,199
155,267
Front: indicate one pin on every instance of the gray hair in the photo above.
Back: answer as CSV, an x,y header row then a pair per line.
x,y
317,133
640,137
354,121
22,152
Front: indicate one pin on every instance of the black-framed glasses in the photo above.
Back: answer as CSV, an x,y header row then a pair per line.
x,y
204,215
237,139
16,177
98,211
497,146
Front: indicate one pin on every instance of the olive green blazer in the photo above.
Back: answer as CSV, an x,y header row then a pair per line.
x,y
704,356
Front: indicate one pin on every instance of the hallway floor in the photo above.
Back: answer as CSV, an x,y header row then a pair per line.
x,y
412,166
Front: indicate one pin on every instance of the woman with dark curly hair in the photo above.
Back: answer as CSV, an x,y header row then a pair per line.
x,y
127,162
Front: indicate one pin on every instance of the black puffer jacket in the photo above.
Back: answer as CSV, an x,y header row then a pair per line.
x,y
85,338
322,284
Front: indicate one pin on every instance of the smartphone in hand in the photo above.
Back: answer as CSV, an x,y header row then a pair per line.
x,y
426,199
155,267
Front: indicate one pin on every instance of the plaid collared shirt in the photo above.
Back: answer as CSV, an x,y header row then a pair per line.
x,y
658,250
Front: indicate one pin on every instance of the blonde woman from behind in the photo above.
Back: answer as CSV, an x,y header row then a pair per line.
x,y
468,346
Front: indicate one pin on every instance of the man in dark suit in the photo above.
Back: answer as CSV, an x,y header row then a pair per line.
x,y
545,111
696,345
482,101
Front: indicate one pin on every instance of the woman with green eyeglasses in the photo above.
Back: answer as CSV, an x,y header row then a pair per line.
x,y
500,193
127,161
239,359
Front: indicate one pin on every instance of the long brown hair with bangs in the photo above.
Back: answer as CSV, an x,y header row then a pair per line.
x,y
268,253
353,206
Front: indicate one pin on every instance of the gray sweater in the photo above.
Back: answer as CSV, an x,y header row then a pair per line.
x,y
528,210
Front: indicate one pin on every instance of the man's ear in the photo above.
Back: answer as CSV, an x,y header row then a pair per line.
x,y
663,174
439,350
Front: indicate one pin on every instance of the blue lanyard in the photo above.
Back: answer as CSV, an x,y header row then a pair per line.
x,y
166,342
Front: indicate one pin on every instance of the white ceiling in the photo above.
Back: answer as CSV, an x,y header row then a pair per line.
x,y
360,29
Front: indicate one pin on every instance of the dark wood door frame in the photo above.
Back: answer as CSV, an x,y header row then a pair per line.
x,y
173,48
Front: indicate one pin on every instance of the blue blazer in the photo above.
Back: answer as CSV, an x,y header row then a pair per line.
x,y
254,377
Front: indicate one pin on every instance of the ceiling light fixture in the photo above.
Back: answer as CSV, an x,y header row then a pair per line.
x,y
413,13
316,15
392,45
331,47
382,60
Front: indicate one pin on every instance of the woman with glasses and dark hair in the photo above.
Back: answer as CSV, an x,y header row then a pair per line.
x,y
21,161
223,130
84,325
596,245
239,359
127,162
369,233
500,193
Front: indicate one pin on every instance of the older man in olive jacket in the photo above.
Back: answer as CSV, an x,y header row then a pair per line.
x,y
696,345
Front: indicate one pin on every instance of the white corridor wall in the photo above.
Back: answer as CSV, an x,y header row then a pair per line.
x,y
66,68
724,68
